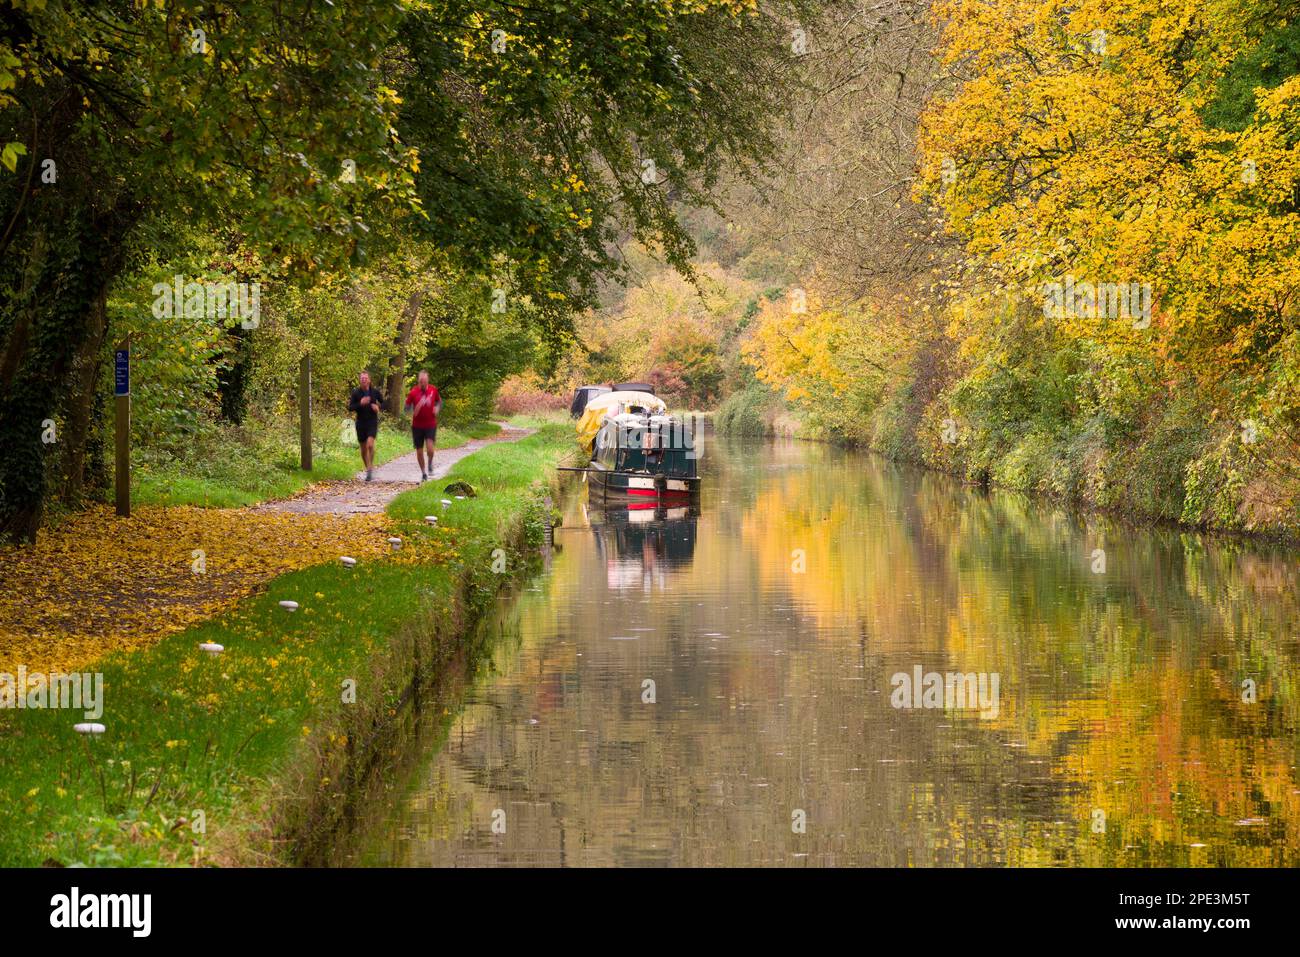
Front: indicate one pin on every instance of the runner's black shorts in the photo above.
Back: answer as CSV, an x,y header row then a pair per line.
x,y
419,435
366,430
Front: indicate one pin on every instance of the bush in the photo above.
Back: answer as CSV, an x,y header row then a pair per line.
x,y
747,412
519,395
468,402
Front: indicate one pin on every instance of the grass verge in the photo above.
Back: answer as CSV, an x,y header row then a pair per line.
x,y
537,420
252,755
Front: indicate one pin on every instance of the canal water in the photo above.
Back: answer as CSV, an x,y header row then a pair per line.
x,y
740,687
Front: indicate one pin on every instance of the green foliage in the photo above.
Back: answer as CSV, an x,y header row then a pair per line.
x,y
244,123
344,326
1216,483
693,360
133,101
486,147
746,412
471,350
587,122
1273,60
177,360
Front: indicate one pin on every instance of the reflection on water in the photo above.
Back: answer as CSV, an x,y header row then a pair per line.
x,y
771,625
640,545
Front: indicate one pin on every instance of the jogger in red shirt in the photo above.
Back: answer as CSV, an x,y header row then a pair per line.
x,y
425,403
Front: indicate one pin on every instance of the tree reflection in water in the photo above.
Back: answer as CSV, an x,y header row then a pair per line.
x,y
1121,738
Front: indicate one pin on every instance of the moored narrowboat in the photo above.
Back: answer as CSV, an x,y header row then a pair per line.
x,y
639,453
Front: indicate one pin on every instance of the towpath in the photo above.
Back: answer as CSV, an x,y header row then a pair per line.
x,y
359,497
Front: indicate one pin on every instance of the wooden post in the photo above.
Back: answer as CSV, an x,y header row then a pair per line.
x,y
122,425
304,412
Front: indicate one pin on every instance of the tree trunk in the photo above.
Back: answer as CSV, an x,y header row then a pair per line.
x,y
232,379
71,259
393,391
81,403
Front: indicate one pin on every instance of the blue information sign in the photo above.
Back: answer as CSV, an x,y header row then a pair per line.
x,y
122,372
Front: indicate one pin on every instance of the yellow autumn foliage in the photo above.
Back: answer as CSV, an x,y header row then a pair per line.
x,y
1078,138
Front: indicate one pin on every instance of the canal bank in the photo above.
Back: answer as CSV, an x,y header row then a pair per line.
x,y
252,754
1149,483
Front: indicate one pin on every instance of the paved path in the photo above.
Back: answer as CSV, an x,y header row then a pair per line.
x,y
359,496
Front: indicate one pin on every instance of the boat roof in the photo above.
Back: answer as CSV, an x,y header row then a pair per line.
x,y
608,399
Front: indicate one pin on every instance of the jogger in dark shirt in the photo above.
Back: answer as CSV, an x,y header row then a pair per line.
x,y
365,402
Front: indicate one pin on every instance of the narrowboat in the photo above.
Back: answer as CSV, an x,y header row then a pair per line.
x,y
584,394
638,452
610,403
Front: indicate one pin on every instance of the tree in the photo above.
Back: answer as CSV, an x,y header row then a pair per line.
x,y
554,132
225,113
1076,143
519,141
688,362
840,202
